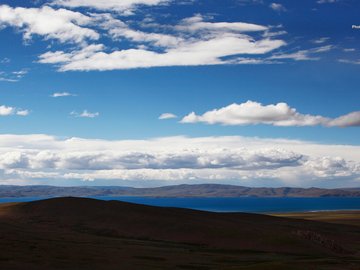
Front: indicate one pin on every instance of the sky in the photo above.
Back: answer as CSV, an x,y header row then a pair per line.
x,y
162,92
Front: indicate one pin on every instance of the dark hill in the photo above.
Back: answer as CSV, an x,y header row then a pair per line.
x,y
73,233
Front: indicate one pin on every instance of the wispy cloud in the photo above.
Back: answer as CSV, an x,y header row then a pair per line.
x,y
94,30
277,7
5,60
166,116
304,55
206,43
249,2
321,40
13,76
327,1
62,94
22,112
6,79
350,61
280,114
85,114
126,7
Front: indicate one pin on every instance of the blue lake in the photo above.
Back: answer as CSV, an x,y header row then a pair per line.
x,y
245,204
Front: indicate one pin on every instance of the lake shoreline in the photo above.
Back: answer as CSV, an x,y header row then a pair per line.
x,y
269,206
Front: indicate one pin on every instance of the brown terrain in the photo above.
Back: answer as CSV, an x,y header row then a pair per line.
x,y
337,217
78,233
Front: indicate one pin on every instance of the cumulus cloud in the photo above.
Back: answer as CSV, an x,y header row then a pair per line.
x,y
85,114
280,114
62,94
5,110
348,120
175,158
8,110
166,116
61,24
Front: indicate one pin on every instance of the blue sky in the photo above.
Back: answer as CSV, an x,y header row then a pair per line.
x,y
101,71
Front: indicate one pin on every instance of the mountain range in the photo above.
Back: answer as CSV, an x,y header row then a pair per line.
x,y
202,190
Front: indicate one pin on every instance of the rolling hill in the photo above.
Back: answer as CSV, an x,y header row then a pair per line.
x,y
79,233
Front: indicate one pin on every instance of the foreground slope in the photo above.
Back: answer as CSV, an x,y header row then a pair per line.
x,y
74,233
339,217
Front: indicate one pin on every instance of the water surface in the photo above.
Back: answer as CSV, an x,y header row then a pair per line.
x,y
243,204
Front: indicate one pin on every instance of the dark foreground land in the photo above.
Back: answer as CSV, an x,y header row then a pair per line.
x,y
337,217
73,233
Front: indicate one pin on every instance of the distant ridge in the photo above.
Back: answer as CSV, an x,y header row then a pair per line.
x,y
202,190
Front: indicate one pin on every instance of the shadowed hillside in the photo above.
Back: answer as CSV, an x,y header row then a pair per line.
x,y
74,233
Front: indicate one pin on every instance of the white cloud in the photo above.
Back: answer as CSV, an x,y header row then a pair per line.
x,y
62,94
85,114
216,159
321,40
277,7
348,61
280,114
192,42
302,55
23,112
208,52
20,72
348,120
166,116
7,79
270,34
327,1
13,76
61,57
119,29
197,23
61,24
126,6
7,110
5,60
249,2
201,52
